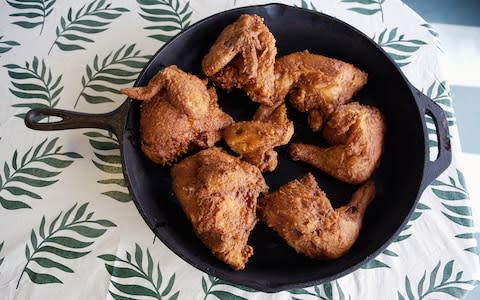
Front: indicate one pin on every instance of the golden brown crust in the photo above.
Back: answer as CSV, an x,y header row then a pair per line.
x,y
177,113
255,140
315,119
301,213
243,57
313,82
218,193
356,133
185,91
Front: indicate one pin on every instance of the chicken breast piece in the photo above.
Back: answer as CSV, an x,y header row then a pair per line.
x,y
178,113
302,215
356,133
315,84
218,193
243,57
255,140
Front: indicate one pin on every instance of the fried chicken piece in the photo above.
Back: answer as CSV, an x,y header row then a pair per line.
x,y
218,193
177,113
243,57
302,215
315,84
356,132
255,140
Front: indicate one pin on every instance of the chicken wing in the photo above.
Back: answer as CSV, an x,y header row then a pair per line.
x,y
243,57
301,213
255,140
356,132
315,84
218,193
177,113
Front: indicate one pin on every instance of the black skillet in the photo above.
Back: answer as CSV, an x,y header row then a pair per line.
x,y
404,173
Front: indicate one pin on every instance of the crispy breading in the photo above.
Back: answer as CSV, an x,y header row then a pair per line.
x,y
243,57
313,83
218,193
302,215
177,113
255,140
356,133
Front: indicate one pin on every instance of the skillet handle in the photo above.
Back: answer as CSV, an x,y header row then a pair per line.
x,y
113,121
432,169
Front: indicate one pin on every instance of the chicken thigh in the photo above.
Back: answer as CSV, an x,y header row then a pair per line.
x,y
243,57
315,84
356,133
218,193
255,140
178,112
302,215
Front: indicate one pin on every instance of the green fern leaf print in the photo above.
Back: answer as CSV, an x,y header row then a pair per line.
x,y
69,236
35,84
78,27
138,278
104,77
169,17
108,160
31,13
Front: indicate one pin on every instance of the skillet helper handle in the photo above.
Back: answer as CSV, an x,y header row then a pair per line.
x,y
433,169
113,121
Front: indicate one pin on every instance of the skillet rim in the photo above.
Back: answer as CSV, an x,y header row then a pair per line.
x,y
229,276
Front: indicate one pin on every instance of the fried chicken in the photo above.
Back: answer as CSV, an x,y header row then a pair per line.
x,y
218,193
315,84
177,113
255,140
243,57
301,213
356,133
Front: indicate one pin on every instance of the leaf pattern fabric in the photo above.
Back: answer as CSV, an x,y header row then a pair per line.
x,y
59,244
31,13
404,234
7,45
70,227
216,288
397,46
34,82
308,5
367,7
105,76
107,152
169,17
1,259
89,19
35,169
440,281
153,285
328,291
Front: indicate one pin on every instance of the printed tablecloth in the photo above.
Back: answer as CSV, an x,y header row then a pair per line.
x,y
69,229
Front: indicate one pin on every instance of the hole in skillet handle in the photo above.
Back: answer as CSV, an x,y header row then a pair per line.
x,y
432,169
113,121
432,137
56,119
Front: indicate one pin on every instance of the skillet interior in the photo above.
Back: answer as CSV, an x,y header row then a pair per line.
x,y
274,265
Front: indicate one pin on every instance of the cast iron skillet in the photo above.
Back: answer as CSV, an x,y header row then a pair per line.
x,y
404,173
